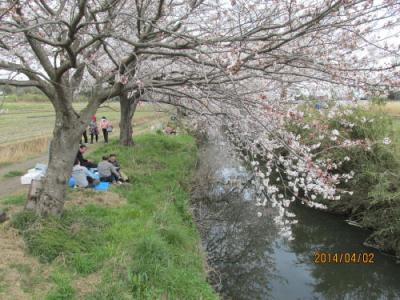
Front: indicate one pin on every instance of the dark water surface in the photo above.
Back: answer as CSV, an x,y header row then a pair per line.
x,y
250,258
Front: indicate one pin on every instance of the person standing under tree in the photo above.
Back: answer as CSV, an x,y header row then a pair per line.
x,y
85,137
94,131
105,126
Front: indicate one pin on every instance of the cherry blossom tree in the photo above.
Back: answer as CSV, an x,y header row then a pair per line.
x,y
57,46
342,50
326,44
285,43
228,60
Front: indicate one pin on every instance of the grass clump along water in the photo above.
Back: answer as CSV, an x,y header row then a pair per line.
x,y
145,248
362,141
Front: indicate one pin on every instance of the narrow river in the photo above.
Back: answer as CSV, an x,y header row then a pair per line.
x,y
249,258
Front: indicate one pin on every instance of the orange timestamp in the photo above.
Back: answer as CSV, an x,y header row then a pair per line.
x,y
344,257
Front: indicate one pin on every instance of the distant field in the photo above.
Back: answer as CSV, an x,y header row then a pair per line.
x,y
25,121
26,126
392,107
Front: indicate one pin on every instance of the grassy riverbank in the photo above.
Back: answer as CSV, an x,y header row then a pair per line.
x,y
137,241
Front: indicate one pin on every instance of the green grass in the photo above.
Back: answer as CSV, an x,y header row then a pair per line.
x,y
63,289
13,200
28,280
5,164
12,174
27,97
148,248
3,286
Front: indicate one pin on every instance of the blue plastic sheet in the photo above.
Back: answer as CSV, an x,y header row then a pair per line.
x,y
102,186
71,182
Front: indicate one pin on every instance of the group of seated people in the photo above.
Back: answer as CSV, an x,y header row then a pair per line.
x,y
109,170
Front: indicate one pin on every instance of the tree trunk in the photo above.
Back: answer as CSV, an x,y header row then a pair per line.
x,y
62,154
128,108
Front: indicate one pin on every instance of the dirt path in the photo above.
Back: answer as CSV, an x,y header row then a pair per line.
x,y
9,186
22,165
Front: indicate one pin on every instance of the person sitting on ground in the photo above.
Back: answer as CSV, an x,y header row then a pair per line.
x,y
82,176
113,159
107,171
84,162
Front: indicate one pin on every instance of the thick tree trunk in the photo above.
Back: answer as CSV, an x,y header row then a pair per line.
x,y
63,149
181,112
128,108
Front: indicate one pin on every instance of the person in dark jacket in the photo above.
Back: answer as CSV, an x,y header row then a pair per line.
x,y
94,131
84,162
85,137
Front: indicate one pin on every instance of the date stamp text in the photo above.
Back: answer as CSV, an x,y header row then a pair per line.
x,y
321,257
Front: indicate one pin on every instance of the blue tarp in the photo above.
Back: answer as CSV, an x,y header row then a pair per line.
x,y
102,186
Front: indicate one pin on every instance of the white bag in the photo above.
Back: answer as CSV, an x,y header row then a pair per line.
x,y
33,175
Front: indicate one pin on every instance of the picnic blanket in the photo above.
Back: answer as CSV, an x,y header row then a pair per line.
x,y
40,170
102,186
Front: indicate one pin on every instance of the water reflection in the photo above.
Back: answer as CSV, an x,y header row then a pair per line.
x,y
238,248
236,240
317,231
251,261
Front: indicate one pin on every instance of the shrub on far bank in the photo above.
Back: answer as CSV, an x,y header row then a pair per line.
x,y
372,196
